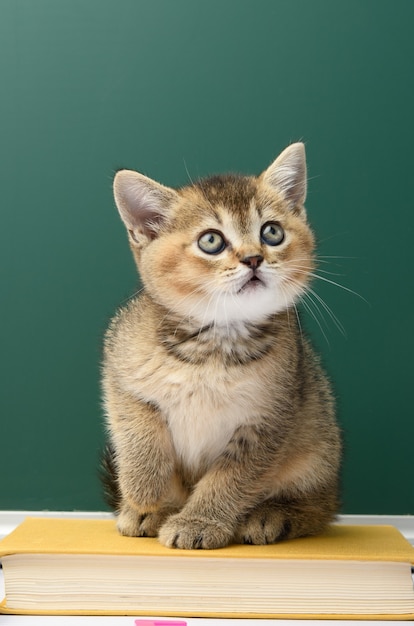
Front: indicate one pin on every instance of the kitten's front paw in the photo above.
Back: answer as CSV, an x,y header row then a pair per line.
x,y
191,533
133,524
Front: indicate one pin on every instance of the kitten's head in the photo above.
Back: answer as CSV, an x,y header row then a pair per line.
x,y
225,249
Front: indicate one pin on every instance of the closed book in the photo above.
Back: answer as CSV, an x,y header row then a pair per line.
x,y
84,567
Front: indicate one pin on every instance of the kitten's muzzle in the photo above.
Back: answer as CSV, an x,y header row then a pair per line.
x,y
253,263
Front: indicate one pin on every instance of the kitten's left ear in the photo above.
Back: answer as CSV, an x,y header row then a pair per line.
x,y
287,174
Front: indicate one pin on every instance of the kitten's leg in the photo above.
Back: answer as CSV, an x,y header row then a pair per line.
x,y
224,494
235,485
144,458
277,519
133,522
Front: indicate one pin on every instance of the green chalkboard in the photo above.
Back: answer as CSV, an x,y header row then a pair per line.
x,y
188,88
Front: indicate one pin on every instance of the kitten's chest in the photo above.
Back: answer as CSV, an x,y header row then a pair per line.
x,y
202,407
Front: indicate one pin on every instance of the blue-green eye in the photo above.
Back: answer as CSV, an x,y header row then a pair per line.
x,y
272,234
211,242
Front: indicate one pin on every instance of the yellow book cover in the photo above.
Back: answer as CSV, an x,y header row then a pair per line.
x,y
84,567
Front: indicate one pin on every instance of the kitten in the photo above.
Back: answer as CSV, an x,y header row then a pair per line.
x,y
221,420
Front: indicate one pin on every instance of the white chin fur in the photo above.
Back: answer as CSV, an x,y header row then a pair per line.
x,y
251,305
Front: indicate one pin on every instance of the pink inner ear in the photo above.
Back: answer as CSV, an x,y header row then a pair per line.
x,y
149,223
142,203
142,217
139,204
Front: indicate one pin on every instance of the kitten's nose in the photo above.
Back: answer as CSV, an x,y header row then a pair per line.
x,y
253,261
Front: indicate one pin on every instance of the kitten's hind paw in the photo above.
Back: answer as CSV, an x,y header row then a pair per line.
x,y
273,521
190,533
264,525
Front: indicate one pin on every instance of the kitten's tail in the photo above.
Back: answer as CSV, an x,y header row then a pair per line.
x,y
109,478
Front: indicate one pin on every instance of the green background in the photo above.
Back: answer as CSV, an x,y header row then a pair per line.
x,y
181,88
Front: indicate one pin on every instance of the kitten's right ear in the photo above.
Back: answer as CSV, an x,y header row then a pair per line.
x,y
142,204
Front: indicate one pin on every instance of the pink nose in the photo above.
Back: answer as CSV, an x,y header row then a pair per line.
x,y
253,261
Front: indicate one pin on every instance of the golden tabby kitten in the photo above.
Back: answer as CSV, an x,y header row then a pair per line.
x,y
221,420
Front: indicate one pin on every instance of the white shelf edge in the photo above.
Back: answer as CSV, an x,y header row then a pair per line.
x,y
10,519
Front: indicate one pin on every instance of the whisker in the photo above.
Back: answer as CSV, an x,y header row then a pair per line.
x,y
330,273
203,323
283,291
298,321
329,311
330,237
304,270
308,268
187,172
311,302
332,282
136,293
198,290
311,312
330,256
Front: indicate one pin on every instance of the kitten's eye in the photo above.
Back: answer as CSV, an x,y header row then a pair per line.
x,y
211,242
272,234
